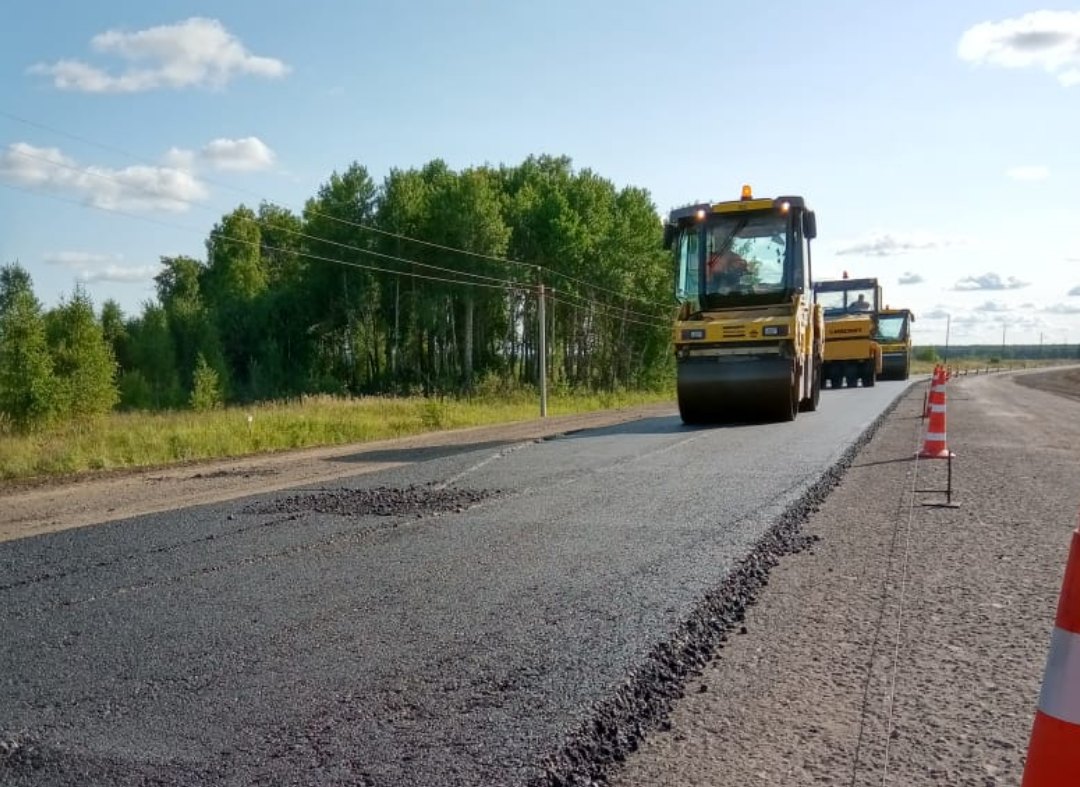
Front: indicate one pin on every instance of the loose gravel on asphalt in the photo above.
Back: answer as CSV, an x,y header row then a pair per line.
x,y
218,645
907,647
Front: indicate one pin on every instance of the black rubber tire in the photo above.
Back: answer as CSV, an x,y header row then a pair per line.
x,y
789,406
868,375
811,405
836,379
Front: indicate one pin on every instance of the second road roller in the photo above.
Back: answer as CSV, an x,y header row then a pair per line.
x,y
748,335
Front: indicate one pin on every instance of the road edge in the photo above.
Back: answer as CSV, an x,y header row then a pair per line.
x,y
643,701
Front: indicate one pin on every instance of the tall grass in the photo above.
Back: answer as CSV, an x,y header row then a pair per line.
x,y
129,440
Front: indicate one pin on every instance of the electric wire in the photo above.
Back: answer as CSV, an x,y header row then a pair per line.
x,y
505,260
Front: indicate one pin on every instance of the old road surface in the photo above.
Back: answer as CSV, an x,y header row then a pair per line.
x,y
480,615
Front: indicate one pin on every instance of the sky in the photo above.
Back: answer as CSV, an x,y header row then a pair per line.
x,y
937,142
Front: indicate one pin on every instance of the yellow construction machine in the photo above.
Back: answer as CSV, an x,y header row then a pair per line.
x,y
748,339
852,353
894,336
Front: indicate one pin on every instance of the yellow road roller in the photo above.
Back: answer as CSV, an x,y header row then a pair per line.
x,y
894,336
747,335
852,352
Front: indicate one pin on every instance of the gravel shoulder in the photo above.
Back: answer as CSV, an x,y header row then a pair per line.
x,y
29,510
907,647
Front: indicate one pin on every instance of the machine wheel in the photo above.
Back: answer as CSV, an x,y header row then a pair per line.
x,y
851,376
690,415
811,404
789,406
907,370
868,375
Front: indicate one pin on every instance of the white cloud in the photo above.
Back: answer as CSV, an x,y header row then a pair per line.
x,y
1028,173
935,314
138,187
242,155
1049,40
992,306
886,244
248,154
910,278
1062,308
197,52
990,281
178,158
77,259
96,267
120,275
1075,290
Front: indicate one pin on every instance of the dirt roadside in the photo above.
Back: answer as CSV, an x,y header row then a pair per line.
x,y
908,646
63,504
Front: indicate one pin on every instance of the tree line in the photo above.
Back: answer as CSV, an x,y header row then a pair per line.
x,y
368,290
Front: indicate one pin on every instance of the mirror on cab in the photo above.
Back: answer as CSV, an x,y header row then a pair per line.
x,y
809,225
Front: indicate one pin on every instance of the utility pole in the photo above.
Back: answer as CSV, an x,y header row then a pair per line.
x,y
542,314
948,323
1003,327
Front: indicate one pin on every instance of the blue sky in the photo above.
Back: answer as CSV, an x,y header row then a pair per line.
x,y
936,141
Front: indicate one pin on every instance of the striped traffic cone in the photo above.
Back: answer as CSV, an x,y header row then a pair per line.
x,y
935,445
935,377
1053,756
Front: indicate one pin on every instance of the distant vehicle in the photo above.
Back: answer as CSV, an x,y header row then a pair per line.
x,y
894,336
748,339
852,353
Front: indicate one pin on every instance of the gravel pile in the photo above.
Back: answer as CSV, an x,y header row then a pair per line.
x,y
379,501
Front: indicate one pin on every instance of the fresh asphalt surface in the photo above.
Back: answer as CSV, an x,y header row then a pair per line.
x,y
215,645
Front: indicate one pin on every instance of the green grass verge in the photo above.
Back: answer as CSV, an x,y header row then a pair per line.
x,y
130,440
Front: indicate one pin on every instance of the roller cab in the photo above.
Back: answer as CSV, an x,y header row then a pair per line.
x,y
894,336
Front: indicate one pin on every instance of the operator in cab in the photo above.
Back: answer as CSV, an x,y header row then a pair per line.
x,y
860,304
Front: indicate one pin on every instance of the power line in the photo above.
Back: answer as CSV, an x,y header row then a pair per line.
x,y
502,283
507,286
263,222
359,225
609,311
646,315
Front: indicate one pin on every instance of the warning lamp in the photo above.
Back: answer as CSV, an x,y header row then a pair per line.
x,y
785,206
747,193
700,214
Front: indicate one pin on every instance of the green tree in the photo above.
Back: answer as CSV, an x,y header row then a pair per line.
x,y
83,361
341,300
27,383
13,279
192,325
114,329
206,389
153,379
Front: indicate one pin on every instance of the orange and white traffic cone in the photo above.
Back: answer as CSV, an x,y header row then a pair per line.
x,y
935,445
934,379
1053,756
